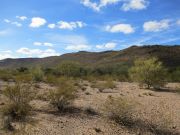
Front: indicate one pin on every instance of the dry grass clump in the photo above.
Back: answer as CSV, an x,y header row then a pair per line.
x,y
62,97
18,106
120,110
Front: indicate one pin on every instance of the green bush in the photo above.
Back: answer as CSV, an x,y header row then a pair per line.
x,y
149,72
63,96
19,97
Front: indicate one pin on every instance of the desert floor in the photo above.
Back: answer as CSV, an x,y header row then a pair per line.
x,y
45,120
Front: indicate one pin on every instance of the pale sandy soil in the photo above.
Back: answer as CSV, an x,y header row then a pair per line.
x,y
47,121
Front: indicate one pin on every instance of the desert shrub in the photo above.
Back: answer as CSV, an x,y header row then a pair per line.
x,y
5,75
91,78
23,77
149,72
109,83
37,74
19,97
175,75
22,69
120,110
101,85
48,71
62,97
51,79
70,69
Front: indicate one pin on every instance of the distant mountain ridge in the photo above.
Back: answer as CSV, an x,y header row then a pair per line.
x,y
169,55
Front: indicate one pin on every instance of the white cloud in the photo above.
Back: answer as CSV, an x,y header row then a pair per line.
x,y
126,4
22,18
51,26
37,43
43,44
107,2
134,5
48,44
7,21
13,23
178,22
63,39
37,52
6,54
79,47
37,22
155,26
17,24
70,25
120,28
110,45
91,5
97,6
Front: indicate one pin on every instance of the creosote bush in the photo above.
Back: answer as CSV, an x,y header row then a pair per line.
x,y
19,97
149,73
62,97
37,74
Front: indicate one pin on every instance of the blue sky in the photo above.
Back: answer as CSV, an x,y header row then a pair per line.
x,y
41,28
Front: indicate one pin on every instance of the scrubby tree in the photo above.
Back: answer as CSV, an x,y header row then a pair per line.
x,y
149,72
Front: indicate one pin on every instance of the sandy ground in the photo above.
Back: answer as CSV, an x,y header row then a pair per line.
x,y
47,121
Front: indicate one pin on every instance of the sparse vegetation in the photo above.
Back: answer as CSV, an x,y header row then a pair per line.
x,y
63,96
57,85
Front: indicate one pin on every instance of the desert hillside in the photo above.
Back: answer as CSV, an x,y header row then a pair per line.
x,y
169,55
